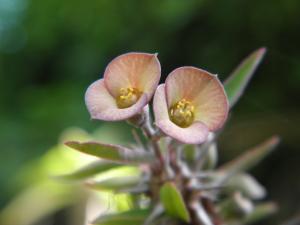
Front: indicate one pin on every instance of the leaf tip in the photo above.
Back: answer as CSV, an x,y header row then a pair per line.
x,y
274,140
273,206
258,56
89,184
71,143
262,51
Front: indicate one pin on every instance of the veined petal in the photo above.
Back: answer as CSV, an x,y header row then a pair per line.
x,y
204,90
195,134
102,105
212,105
136,70
184,82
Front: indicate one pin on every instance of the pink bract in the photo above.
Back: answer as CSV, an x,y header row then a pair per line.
x,y
140,71
204,91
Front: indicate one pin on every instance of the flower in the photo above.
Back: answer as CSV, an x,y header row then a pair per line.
x,y
128,85
190,104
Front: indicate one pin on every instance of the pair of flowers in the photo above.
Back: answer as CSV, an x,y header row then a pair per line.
x,y
190,104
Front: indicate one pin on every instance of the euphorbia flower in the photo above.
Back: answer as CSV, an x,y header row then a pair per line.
x,y
128,85
190,104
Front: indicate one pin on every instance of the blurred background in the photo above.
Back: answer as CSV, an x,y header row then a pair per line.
x,y
51,50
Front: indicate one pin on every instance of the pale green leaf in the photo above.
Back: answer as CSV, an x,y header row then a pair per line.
x,y
247,185
261,211
132,217
251,157
173,202
111,152
115,183
238,80
235,207
89,170
154,214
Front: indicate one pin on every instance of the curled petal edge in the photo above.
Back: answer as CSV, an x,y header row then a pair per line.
x,y
204,90
197,133
102,106
134,69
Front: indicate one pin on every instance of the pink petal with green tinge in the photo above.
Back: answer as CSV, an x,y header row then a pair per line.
x,y
204,90
102,105
195,134
137,70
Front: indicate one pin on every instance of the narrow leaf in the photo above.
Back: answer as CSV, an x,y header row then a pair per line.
x,y
116,183
235,207
111,152
251,157
238,80
89,170
132,217
173,202
261,211
247,185
154,214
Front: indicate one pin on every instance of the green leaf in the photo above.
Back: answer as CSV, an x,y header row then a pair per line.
x,y
247,185
89,170
173,202
251,157
132,217
238,80
261,211
154,215
111,152
236,207
116,183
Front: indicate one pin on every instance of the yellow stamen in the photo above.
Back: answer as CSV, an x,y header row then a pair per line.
x,y
128,97
182,113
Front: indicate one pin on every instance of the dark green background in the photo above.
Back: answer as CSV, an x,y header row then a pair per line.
x,y
51,50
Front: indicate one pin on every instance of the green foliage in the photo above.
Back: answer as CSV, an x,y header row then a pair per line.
x,y
167,180
42,184
261,211
116,184
38,201
246,185
50,51
132,217
238,80
114,153
173,202
251,157
89,170
45,195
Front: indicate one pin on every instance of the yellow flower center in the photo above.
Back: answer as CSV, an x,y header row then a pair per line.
x,y
128,97
182,113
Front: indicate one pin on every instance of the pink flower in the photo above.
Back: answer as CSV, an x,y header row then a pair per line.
x,y
128,85
190,104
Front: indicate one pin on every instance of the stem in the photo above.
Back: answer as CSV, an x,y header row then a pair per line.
x,y
157,151
203,150
199,215
174,156
137,139
149,132
208,204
